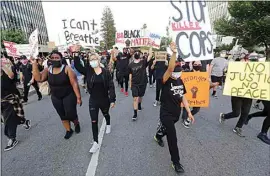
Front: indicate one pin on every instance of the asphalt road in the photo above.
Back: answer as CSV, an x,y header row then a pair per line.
x,y
206,149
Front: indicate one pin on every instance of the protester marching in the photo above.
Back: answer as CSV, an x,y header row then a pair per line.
x,y
183,80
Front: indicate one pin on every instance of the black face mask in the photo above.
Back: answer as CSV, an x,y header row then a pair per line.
x,y
56,64
197,67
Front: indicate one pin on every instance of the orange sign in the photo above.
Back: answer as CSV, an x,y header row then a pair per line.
x,y
197,86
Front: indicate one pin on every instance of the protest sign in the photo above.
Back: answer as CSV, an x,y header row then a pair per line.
x,y
138,38
85,32
23,49
17,50
197,86
248,79
10,48
33,43
62,48
51,45
160,55
191,30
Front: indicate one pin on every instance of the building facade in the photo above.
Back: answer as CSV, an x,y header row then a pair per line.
x,y
25,16
217,10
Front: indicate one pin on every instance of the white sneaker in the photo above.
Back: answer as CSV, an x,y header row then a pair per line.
x,y
108,129
94,148
151,86
155,104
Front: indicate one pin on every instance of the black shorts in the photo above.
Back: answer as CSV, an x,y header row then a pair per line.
x,y
216,79
138,90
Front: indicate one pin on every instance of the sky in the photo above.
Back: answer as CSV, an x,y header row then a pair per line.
x,y
127,15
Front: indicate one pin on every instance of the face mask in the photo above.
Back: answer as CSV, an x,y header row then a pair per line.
x,y
24,62
56,63
197,67
94,64
176,74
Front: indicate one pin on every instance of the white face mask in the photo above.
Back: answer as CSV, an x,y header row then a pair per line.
x,y
94,63
176,74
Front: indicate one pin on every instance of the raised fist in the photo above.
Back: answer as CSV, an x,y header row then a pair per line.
x,y
194,91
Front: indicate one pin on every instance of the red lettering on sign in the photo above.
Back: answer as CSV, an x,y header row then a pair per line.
x,y
184,25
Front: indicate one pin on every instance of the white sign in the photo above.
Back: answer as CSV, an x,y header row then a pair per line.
x,y
17,50
62,48
138,38
85,32
191,30
33,43
24,49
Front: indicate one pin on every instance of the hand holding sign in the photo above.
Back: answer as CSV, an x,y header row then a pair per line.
x,y
173,47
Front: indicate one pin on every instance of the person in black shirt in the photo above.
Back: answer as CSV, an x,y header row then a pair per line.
x,y
172,95
123,60
102,93
28,80
151,72
159,67
65,92
11,106
138,80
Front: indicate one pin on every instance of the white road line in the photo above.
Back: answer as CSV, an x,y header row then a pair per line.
x,y
91,170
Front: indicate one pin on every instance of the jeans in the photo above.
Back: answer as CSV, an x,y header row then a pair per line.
x,y
194,111
94,111
240,106
166,127
26,90
158,88
152,77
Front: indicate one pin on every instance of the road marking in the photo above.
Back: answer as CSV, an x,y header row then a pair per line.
x,y
91,170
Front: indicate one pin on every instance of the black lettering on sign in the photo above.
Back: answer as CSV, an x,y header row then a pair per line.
x,y
178,9
126,34
86,25
252,93
73,27
202,5
64,20
259,68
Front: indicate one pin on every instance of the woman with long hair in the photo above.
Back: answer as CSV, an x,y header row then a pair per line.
x,y
65,92
102,92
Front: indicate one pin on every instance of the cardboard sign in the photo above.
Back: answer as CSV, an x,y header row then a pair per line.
x,y
33,43
197,86
23,49
191,30
85,32
51,45
248,79
160,55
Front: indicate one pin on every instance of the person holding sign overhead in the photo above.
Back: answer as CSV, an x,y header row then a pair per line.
x,y
172,95
65,92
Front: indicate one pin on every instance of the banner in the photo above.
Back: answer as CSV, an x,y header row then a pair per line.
x,y
191,30
137,38
17,50
33,43
248,79
23,49
85,32
10,48
197,86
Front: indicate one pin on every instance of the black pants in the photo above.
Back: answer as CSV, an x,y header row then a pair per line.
x,y
263,113
166,127
152,77
158,88
240,106
66,107
26,90
94,108
124,78
11,120
194,111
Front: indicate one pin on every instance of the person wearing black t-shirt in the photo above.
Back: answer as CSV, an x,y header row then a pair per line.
x,y
138,80
151,72
123,60
11,106
102,93
172,95
28,80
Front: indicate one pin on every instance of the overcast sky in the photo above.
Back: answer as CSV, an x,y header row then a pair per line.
x,y
127,15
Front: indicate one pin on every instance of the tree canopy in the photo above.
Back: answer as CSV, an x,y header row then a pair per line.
x,y
108,28
249,22
16,36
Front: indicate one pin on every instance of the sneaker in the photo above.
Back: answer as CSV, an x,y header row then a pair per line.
x,y
215,96
78,128
139,108
155,103
68,134
159,141
122,90
151,86
186,123
238,131
264,138
134,118
39,98
94,148
11,144
154,86
221,118
27,124
126,94
108,129
178,167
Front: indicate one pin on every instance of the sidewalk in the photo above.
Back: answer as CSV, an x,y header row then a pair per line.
x,y
31,91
